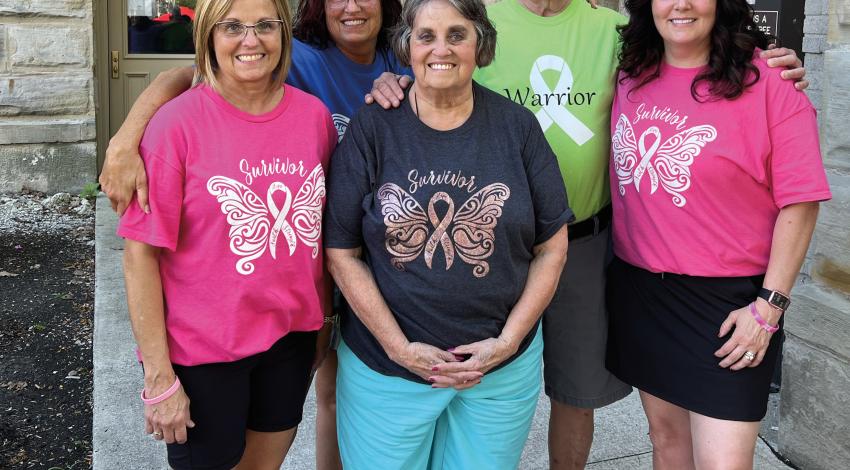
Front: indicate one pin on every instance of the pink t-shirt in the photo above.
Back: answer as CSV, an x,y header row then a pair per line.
x,y
236,201
696,187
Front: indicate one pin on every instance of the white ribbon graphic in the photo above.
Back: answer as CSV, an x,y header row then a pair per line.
x,y
553,112
279,215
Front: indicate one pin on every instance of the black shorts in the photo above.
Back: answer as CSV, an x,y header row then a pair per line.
x,y
264,392
663,334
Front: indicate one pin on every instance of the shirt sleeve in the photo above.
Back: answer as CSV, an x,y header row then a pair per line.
x,y
548,195
161,227
349,188
795,166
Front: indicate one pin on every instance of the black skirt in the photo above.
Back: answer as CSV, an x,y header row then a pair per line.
x,y
663,335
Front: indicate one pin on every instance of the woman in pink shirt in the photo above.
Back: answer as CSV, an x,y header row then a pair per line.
x,y
716,175
225,280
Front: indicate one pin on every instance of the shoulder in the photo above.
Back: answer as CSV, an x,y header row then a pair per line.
x,y
601,15
302,49
304,102
188,106
372,113
613,17
781,95
304,56
501,7
392,62
768,76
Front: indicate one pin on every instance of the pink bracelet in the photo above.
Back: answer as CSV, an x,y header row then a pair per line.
x,y
164,396
762,323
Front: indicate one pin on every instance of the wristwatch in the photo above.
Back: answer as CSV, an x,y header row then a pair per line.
x,y
775,298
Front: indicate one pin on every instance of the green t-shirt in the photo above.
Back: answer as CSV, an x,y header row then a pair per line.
x,y
562,68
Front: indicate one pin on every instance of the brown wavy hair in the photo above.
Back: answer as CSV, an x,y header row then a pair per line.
x,y
730,69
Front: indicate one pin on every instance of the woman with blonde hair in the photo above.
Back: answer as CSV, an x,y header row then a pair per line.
x,y
225,280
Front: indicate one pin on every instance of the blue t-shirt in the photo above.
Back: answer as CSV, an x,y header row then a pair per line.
x,y
336,80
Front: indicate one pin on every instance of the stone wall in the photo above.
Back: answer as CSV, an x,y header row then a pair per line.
x,y
47,121
815,403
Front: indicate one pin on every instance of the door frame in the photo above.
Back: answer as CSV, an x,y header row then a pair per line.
x,y
102,78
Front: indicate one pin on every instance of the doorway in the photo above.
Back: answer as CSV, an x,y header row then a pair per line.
x,y
144,38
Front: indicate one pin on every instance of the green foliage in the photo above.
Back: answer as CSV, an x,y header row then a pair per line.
x,y
90,190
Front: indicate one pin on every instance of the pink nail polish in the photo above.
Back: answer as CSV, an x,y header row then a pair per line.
x,y
435,369
431,379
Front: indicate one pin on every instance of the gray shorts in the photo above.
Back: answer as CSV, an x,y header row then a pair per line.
x,y
575,330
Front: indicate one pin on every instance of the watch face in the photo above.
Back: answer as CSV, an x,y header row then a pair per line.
x,y
779,300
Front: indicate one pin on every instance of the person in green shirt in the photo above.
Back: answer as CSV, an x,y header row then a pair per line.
x,y
559,59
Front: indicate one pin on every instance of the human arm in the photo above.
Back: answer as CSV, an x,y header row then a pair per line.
x,y
169,417
784,57
791,236
123,171
388,90
543,274
357,284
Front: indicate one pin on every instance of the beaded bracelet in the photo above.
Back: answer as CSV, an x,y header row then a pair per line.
x,y
762,323
164,396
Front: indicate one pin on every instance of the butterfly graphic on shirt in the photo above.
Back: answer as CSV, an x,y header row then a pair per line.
x,y
469,232
256,225
667,164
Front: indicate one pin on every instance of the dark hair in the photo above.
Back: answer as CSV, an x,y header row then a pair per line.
x,y
472,10
734,38
311,25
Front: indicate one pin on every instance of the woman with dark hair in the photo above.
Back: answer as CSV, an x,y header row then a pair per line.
x,y
339,48
716,176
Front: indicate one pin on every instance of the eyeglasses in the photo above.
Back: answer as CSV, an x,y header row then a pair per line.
x,y
235,29
342,3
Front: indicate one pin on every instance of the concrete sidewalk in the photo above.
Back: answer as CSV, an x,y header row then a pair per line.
x,y
620,442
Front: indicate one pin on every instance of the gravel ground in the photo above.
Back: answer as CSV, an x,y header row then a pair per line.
x,y
46,320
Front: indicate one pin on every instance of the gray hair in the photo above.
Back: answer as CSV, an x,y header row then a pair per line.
x,y
472,10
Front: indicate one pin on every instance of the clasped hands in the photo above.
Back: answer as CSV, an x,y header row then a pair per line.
x,y
460,368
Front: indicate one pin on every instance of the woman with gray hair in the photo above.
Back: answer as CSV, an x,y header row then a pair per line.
x,y
446,231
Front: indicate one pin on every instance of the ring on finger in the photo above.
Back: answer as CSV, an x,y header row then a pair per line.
x,y
749,355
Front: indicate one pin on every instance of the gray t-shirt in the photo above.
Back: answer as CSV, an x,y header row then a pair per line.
x,y
447,219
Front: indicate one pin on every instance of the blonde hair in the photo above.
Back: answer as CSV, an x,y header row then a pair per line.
x,y
210,12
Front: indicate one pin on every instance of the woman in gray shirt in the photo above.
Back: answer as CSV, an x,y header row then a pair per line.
x,y
446,231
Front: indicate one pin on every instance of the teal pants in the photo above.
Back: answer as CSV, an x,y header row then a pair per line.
x,y
393,423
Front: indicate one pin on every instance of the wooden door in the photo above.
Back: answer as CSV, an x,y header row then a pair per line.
x,y
146,37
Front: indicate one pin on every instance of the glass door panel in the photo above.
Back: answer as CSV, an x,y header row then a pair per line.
x,y
160,26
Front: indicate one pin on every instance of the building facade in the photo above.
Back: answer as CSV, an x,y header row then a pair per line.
x,y
47,95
